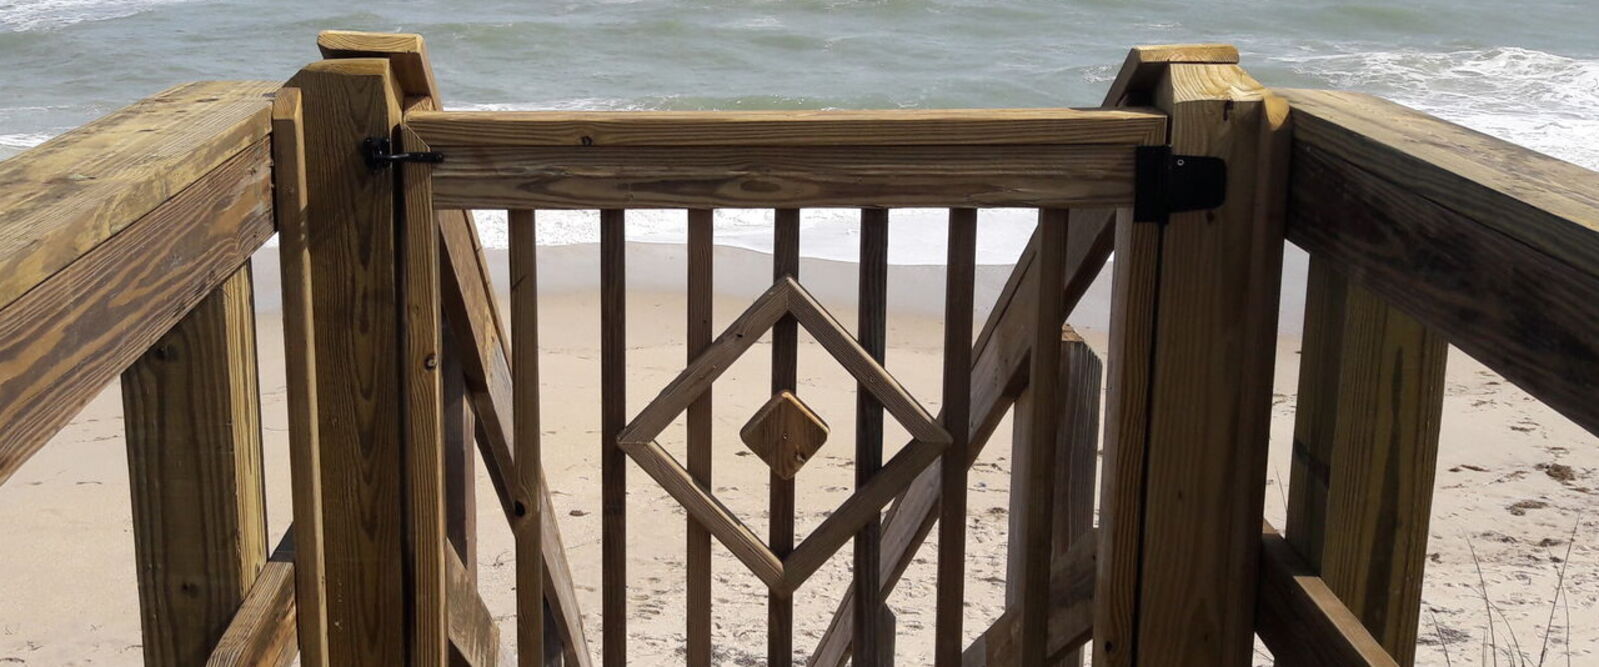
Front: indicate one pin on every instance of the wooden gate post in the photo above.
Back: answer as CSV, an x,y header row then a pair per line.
x,y
372,402
194,457
1193,339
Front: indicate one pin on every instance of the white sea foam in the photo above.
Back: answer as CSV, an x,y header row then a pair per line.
x,y
32,15
23,141
1544,101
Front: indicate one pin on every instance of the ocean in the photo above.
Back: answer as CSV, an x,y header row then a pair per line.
x,y
1524,71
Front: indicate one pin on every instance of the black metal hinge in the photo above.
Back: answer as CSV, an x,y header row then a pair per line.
x,y
1165,184
378,152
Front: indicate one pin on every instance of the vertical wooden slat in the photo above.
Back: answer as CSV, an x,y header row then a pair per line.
x,y
700,300
960,273
1192,350
1045,382
1377,397
785,369
359,353
613,416
194,460
460,461
423,411
1076,458
872,334
299,367
529,460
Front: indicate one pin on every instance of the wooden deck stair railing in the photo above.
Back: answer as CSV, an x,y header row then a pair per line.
x,y
124,251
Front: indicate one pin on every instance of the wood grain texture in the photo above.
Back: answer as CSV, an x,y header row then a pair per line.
x,y
1378,401
70,194
529,459
872,332
783,177
1547,204
784,433
420,330
960,271
1144,65
896,127
1301,620
1076,459
460,457
473,633
407,54
1519,310
359,351
193,422
780,490
262,632
697,613
66,339
613,417
1071,613
299,367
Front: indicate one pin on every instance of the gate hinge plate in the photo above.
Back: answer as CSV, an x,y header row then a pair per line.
x,y
379,154
1165,183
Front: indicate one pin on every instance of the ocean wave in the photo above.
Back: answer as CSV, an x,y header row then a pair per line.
x,y
36,15
23,141
1544,101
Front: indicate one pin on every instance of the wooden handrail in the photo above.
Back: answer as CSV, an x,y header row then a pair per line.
x,y
1492,244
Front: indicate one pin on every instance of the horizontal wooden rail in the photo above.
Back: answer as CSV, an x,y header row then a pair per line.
x,y
1493,245
1301,620
784,177
898,127
263,629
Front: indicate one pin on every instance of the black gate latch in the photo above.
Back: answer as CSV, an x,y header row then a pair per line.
x,y
379,155
1166,184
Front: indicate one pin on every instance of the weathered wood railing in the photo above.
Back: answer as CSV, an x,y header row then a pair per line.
x,y
124,250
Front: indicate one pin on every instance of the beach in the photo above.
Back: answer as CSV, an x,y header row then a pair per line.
x,y
1513,481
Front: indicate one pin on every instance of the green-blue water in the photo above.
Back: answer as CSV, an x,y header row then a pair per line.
x,y
1526,71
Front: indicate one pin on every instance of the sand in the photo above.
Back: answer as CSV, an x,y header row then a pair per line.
x,y
1514,479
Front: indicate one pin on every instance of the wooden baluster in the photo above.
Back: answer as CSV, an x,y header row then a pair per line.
x,y
872,334
525,425
194,462
785,358
700,454
613,417
960,271
299,369
460,459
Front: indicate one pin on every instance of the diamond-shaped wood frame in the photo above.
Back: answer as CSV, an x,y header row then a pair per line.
x,y
783,575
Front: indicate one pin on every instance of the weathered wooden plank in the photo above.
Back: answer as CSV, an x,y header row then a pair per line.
x,y
407,54
1144,65
897,127
960,271
1300,619
1044,383
529,460
1520,310
783,177
780,490
872,332
359,352
63,341
613,417
262,632
473,633
193,420
697,613
1071,613
299,368
1076,459
1196,391
423,409
72,193
460,459
1547,204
